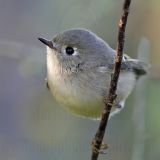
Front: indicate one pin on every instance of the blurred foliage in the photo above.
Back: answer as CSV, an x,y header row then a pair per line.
x,y
32,125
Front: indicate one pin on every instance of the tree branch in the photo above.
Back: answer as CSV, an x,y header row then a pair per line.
x,y
97,140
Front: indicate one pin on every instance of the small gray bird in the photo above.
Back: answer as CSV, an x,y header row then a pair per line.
x,y
79,66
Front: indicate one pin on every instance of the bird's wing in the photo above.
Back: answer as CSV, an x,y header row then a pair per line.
x,y
128,64
138,66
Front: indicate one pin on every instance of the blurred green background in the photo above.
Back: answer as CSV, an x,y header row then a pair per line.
x,y
32,126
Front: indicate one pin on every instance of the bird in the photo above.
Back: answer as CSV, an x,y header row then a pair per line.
x,y
79,69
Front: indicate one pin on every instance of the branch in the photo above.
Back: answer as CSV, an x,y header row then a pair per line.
x,y
109,101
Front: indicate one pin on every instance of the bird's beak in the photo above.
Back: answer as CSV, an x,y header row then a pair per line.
x,y
48,43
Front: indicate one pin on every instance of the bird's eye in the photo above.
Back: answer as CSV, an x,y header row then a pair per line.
x,y
69,50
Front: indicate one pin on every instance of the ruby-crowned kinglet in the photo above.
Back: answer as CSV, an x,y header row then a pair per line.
x,y
80,65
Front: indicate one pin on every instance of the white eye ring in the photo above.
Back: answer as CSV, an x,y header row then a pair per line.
x,y
69,50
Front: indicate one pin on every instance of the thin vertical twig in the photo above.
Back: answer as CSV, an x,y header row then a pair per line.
x,y
97,140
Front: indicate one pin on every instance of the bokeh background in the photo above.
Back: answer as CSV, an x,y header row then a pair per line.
x,y
32,125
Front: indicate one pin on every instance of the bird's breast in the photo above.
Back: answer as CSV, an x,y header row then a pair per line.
x,y
82,93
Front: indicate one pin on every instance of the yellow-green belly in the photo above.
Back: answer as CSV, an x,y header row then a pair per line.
x,y
82,104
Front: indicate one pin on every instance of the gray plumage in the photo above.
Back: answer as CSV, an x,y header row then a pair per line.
x,y
80,81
